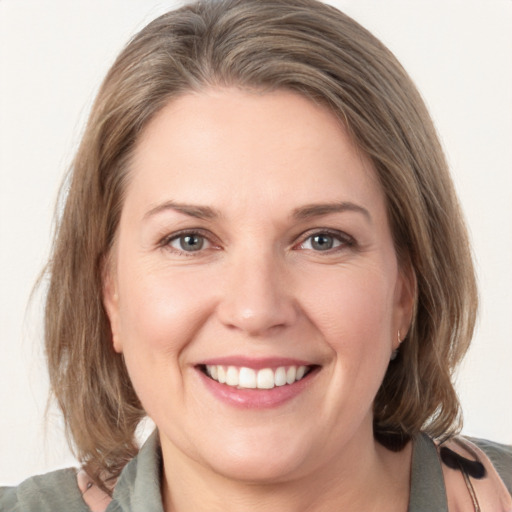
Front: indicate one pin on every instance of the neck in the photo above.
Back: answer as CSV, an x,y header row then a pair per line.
x,y
362,477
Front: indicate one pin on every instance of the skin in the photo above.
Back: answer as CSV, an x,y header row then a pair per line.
x,y
258,287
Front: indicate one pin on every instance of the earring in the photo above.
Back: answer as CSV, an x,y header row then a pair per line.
x,y
394,354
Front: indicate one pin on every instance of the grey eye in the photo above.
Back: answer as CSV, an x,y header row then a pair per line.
x,y
322,242
188,243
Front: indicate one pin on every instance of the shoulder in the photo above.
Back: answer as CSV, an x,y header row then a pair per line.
x,y
501,457
477,472
53,492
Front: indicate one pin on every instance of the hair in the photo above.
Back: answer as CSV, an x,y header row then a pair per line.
x,y
324,55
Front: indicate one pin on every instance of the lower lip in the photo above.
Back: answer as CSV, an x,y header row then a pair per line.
x,y
257,398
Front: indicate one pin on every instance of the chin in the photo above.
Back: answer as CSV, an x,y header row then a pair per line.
x,y
258,468
262,456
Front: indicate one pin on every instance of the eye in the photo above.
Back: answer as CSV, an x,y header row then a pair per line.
x,y
188,242
323,241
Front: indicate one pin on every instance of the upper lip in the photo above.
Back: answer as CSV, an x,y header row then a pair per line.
x,y
254,363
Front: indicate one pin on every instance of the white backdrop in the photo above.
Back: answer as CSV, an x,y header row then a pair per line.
x,y
54,54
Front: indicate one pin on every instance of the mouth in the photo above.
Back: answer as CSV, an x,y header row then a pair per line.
x,y
242,377
257,383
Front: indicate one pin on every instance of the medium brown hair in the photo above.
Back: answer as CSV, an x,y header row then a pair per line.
x,y
317,51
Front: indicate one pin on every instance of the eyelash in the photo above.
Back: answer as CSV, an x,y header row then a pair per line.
x,y
345,240
165,243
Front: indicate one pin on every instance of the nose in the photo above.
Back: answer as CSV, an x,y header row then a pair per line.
x,y
257,295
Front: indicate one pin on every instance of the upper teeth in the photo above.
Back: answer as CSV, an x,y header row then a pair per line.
x,y
266,378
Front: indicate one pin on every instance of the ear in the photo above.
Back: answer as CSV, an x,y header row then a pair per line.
x,y
405,303
110,299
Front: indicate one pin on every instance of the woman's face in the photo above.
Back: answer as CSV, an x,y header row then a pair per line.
x,y
254,247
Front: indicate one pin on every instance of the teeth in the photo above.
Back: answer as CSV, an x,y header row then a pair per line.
x,y
291,373
280,376
265,379
232,376
247,378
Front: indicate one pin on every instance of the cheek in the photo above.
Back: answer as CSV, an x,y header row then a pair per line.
x,y
159,316
355,318
352,309
350,305
159,311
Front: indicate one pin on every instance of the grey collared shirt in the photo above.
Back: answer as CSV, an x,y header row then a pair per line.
x,y
138,487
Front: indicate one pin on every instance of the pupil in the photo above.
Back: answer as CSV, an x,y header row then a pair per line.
x,y
191,243
322,242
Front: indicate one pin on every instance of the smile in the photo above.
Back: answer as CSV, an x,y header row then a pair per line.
x,y
248,378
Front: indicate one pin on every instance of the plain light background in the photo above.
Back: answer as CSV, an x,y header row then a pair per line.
x,y
53,55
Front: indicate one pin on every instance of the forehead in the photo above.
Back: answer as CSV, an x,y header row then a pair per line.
x,y
223,144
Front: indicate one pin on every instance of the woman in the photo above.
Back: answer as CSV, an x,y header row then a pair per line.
x,y
261,249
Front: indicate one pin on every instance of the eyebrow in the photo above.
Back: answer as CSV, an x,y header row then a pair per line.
x,y
198,212
320,209
301,213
